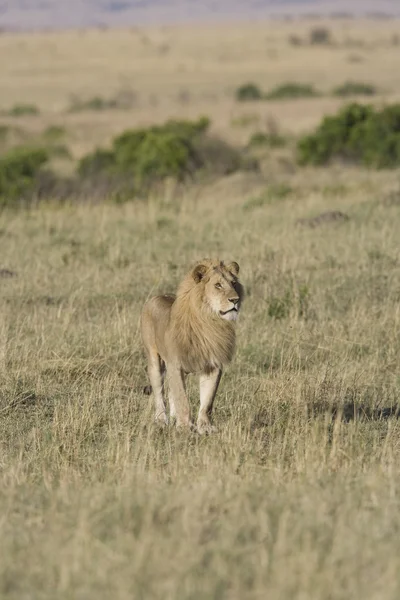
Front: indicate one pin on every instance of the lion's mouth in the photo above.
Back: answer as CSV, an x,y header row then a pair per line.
x,y
227,312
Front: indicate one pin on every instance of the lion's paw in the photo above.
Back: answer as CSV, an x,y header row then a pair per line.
x,y
161,421
205,428
185,426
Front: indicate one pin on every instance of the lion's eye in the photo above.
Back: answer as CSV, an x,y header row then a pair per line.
x,y
218,286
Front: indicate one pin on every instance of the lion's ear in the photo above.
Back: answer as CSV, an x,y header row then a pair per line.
x,y
233,267
198,272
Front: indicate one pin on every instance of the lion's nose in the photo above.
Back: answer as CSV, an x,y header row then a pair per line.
x,y
234,301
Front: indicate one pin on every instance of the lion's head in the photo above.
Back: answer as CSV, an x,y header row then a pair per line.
x,y
219,287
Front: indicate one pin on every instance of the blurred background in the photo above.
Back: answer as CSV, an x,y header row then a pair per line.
x,y
76,76
88,13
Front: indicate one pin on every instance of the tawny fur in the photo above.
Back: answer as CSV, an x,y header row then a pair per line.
x,y
192,332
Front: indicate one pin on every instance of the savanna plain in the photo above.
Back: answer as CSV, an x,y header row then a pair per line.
x,y
298,493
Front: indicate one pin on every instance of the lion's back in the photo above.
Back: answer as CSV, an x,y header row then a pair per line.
x,y
154,320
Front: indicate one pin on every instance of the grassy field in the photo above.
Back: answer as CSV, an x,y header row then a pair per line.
x,y
298,494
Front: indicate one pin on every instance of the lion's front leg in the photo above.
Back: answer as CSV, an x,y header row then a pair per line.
x,y
156,371
208,388
178,399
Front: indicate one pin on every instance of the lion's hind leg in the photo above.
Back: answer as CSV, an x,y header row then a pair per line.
x,y
156,370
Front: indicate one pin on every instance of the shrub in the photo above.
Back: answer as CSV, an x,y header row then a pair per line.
x,y
269,140
218,157
19,170
160,156
96,162
248,92
292,90
358,133
352,88
123,100
95,103
20,110
177,149
49,185
53,133
320,36
160,151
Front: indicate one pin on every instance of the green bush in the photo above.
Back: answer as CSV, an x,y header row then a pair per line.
x,y
159,151
160,156
137,160
168,146
20,110
19,170
96,162
123,100
248,92
352,88
358,134
177,149
268,140
53,133
292,90
96,103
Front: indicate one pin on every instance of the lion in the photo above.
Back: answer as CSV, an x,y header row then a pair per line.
x,y
192,332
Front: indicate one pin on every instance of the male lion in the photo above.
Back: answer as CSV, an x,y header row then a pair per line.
x,y
192,332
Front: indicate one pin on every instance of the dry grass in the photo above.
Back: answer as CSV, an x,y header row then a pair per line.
x,y
298,495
